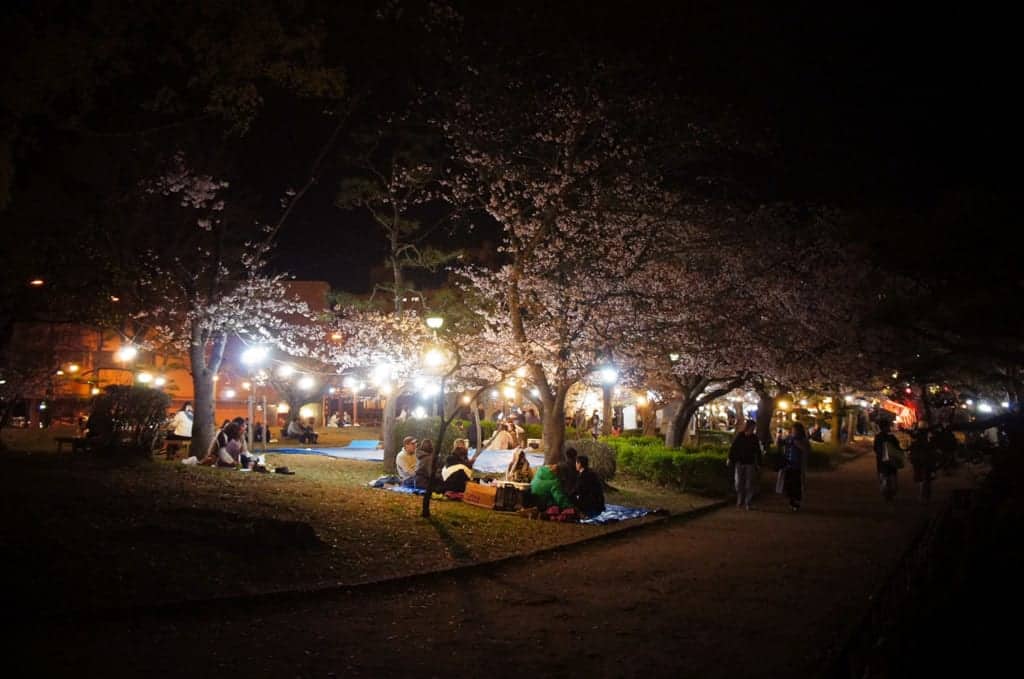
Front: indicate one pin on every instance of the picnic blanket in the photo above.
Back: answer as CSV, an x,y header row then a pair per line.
x,y
489,462
613,513
366,450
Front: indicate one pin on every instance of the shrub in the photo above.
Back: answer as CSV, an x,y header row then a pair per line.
x,y
602,456
702,469
463,427
534,431
135,415
427,428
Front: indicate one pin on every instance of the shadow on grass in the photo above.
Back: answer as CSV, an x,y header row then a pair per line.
x,y
459,551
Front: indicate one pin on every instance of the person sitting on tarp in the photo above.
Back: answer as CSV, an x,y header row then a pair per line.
x,y
589,494
424,466
547,489
503,438
460,449
455,475
567,472
406,460
519,468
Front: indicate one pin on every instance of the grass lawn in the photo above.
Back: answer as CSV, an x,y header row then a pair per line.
x,y
81,532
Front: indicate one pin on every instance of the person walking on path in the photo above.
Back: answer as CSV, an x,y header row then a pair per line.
x,y
888,460
797,452
745,458
922,459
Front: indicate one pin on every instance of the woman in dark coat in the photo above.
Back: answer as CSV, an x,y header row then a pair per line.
x,y
797,451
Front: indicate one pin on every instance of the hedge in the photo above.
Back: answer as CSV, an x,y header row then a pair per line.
x,y
602,456
702,469
426,428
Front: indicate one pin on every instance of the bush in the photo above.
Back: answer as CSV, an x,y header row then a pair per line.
x,y
702,469
135,416
464,426
427,428
534,431
602,456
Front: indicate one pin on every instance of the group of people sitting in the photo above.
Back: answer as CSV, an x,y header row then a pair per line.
x,y
229,448
568,484
344,420
303,432
507,435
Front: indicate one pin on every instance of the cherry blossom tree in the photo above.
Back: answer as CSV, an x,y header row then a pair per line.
x,y
205,281
554,164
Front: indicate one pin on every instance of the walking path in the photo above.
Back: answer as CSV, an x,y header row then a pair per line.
x,y
731,593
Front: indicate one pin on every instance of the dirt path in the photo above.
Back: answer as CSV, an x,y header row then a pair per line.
x,y
733,593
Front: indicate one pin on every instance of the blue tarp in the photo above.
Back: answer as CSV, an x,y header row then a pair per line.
x,y
403,489
362,452
613,513
363,444
489,462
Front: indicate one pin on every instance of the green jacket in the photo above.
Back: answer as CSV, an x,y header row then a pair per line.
x,y
548,489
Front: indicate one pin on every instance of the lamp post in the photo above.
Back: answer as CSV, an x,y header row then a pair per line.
x,y
438,362
252,357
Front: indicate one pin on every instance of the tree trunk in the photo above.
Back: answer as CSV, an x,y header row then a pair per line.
x,y
837,399
476,424
677,426
606,414
554,428
650,422
765,413
204,426
388,434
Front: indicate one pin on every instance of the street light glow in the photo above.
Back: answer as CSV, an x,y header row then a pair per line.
x,y
305,413
73,368
145,378
984,408
306,383
535,393
382,372
37,282
783,405
466,399
160,381
673,357
126,353
348,382
435,322
521,371
609,375
431,390
510,392
254,355
433,358
229,393
94,391
285,371
1005,404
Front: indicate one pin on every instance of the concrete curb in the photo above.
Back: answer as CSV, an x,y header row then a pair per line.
x,y
193,608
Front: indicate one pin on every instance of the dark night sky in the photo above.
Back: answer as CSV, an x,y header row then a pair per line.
x,y
895,113
874,110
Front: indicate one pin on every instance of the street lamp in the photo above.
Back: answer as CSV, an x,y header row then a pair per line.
x,y
252,357
434,322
